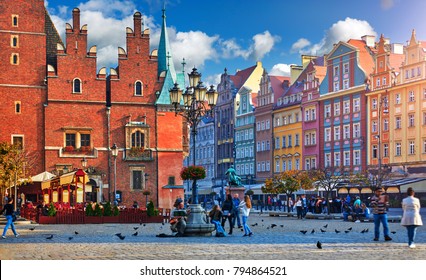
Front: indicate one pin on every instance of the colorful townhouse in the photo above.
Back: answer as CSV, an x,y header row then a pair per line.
x,y
313,75
271,88
343,130
229,100
397,109
287,118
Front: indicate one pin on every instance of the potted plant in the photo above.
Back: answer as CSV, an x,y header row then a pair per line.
x,y
153,213
93,214
249,192
193,172
136,151
51,215
109,215
69,149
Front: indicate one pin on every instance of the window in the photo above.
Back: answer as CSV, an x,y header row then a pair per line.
x,y
14,59
258,126
378,82
398,149
310,96
411,96
327,134
327,110
313,114
345,84
374,151
17,107
346,68
296,140
327,161
85,140
297,163
138,139
138,88
357,106
263,146
307,164
268,124
307,139
424,93
290,142
336,71
137,179
283,142
18,141
419,71
14,20
386,125
347,158
411,149
277,143
384,81
268,166
337,133
374,103
424,145
290,164
357,157
336,86
258,146
397,122
346,132
346,107
76,85
70,140
424,118
374,126
336,159
313,138
263,125
397,98
313,163
268,147
284,120
411,120
337,108
14,41
385,150
284,166
357,130
277,165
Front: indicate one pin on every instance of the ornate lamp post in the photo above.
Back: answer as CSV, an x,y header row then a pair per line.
x,y
195,106
383,108
84,163
114,153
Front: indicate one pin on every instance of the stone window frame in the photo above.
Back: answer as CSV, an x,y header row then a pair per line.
x,y
12,42
15,136
12,59
15,20
135,93
80,85
140,168
18,107
77,131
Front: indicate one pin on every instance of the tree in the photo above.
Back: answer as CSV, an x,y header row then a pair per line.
x,y
287,182
14,165
328,179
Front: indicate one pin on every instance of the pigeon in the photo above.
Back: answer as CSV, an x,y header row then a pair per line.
x,y
304,231
273,225
118,234
322,230
253,225
325,226
135,228
347,231
319,245
135,234
350,228
281,225
393,232
144,225
366,230
313,231
76,232
262,220
50,237
337,231
121,237
363,231
267,228
242,229
33,228
70,238
162,223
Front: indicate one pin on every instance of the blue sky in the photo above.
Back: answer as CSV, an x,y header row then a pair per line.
x,y
235,34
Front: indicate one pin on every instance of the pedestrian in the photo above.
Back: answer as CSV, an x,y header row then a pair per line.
x,y
245,206
228,209
290,204
411,218
236,214
304,205
135,204
299,208
215,218
379,202
9,218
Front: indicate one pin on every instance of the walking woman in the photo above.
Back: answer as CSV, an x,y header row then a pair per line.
x,y
411,218
9,217
245,207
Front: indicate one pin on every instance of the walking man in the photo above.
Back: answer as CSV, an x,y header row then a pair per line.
x,y
379,202
236,211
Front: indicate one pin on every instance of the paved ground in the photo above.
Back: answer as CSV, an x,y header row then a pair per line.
x,y
284,241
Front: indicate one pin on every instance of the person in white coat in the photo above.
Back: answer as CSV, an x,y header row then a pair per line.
x,y
245,207
411,218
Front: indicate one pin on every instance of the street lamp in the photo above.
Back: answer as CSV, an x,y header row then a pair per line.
x,y
84,163
197,103
383,102
114,153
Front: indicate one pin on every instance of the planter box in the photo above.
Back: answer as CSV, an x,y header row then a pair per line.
x,y
154,219
46,220
92,220
110,219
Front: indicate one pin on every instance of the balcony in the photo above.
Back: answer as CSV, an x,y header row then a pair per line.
x,y
138,154
83,151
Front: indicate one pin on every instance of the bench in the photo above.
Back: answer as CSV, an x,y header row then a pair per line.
x,y
283,214
391,219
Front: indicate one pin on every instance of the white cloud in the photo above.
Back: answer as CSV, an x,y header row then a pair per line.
x,y
300,44
212,80
387,4
343,30
280,69
109,7
261,46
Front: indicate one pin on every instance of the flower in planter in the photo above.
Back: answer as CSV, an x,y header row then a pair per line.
x,y
136,151
146,192
69,149
193,172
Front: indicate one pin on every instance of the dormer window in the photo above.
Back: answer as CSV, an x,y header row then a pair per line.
x,y
76,87
138,88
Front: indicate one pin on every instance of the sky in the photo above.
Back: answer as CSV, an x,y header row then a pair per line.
x,y
216,34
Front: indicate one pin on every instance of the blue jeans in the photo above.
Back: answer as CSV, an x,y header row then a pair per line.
x,y
380,218
236,218
9,223
411,230
245,226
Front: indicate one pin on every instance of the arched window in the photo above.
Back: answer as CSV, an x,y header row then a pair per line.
x,y
138,88
14,41
76,86
18,107
138,139
15,59
15,21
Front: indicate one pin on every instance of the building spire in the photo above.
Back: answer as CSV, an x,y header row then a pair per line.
x,y
165,57
413,40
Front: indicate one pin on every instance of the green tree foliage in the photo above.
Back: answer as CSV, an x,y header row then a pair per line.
x,y
51,212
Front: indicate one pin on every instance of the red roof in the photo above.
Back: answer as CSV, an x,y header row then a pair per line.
x,y
241,76
277,85
365,59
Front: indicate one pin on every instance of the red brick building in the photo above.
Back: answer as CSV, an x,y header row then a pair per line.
x,y
63,110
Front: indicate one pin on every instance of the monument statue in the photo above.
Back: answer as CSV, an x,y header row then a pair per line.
x,y
233,178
